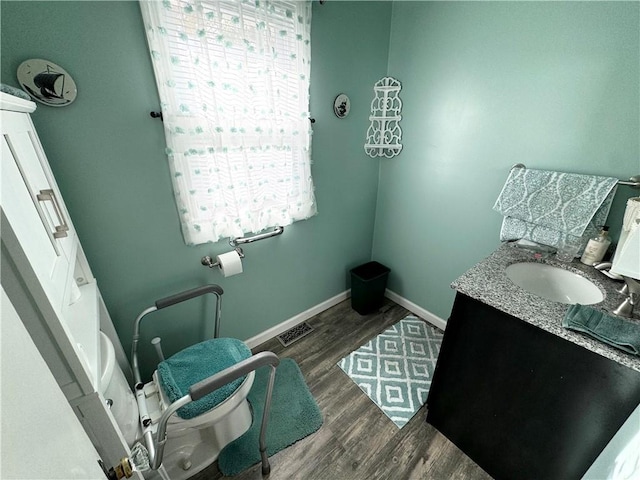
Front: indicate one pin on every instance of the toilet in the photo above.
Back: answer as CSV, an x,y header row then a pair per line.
x,y
115,389
192,444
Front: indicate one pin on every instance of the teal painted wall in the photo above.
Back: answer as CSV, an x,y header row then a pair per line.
x,y
485,85
553,85
108,157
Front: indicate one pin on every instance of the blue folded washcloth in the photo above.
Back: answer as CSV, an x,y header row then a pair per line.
x,y
178,373
546,206
617,332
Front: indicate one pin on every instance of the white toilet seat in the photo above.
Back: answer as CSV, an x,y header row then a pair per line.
x,y
157,402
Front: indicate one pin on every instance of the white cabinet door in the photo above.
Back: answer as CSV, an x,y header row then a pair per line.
x,y
31,202
40,256
41,436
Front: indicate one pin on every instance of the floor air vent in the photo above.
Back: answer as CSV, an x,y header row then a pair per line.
x,y
295,333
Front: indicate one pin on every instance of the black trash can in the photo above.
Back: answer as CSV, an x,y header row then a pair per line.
x,y
368,283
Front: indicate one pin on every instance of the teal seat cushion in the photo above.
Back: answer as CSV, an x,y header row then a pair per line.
x,y
197,362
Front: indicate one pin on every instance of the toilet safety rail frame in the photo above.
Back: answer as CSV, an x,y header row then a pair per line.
x,y
208,385
155,444
167,302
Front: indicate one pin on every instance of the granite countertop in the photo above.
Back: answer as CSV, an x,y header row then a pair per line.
x,y
488,283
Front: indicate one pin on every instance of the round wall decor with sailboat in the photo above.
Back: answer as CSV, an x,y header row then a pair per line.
x,y
47,82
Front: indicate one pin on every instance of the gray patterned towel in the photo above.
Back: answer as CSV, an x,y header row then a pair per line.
x,y
16,92
545,206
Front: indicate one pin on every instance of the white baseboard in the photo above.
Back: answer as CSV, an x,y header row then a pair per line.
x,y
416,309
295,320
321,307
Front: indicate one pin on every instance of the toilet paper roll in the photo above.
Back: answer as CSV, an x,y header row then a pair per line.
x,y
230,263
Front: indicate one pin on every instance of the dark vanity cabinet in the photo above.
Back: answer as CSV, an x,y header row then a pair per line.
x,y
522,402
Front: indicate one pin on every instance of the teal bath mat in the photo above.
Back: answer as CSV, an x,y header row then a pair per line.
x,y
395,368
294,415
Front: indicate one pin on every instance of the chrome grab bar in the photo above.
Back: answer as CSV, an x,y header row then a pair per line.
x,y
234,242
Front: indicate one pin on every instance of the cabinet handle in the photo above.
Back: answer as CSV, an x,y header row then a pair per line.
x,y
49,195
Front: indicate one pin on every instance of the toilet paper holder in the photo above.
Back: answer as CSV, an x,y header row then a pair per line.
x,y
207,261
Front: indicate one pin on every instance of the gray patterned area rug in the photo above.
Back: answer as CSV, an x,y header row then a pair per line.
x,y
395,368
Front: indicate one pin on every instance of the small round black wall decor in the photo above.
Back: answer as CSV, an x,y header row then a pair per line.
x,y
47,82
341,106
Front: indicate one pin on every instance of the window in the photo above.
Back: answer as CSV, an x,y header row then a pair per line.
x,y
233,80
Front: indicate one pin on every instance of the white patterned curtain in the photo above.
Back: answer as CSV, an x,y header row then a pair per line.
x,y
233,80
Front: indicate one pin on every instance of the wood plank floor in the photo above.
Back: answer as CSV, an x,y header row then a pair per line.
x,y
357,441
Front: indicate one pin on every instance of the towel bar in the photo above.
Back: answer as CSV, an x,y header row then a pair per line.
x,y
633,182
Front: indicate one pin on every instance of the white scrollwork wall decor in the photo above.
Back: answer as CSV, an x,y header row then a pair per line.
x,y
384,134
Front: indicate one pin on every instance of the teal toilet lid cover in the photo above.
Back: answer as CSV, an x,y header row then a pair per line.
x,y
197,362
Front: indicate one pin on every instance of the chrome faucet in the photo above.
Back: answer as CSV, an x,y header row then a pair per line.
x,y
625,309
605,269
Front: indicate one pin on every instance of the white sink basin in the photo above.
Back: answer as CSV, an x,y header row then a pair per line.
x,y
554,283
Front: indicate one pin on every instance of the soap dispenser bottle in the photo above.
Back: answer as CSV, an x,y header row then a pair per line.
x,y
596,247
